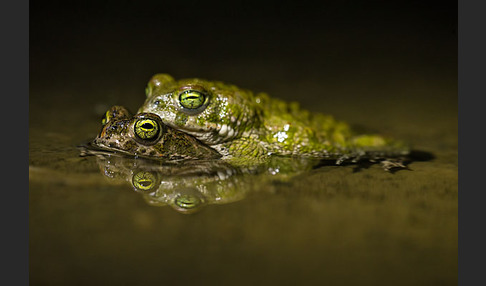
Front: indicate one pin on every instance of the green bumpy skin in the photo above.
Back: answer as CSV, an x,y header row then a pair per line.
x,y
246,127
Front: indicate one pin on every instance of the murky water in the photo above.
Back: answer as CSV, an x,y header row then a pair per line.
x,y
330,225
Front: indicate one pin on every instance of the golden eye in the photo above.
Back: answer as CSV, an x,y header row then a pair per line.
x,y
106,117
147,129
192,99
144,181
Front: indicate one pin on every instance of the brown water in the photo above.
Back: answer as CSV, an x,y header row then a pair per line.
x,y
331,225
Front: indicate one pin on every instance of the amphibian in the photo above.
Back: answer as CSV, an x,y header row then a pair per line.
x,y
145,135
245,127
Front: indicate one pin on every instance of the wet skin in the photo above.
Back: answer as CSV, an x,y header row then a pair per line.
x,y
246,128
144,135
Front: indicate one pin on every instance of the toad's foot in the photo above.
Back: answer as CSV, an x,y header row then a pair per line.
x,y
393,164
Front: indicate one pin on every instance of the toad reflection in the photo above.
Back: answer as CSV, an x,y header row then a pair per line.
x,y
189,185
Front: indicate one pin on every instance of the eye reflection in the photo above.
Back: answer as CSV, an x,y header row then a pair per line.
x,y
188,200
144,181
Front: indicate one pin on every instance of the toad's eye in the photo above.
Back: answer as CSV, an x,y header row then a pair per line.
x,y
147,129
148,90
106,117
192,99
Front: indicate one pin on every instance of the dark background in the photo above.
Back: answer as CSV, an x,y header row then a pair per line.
x,y
113,47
